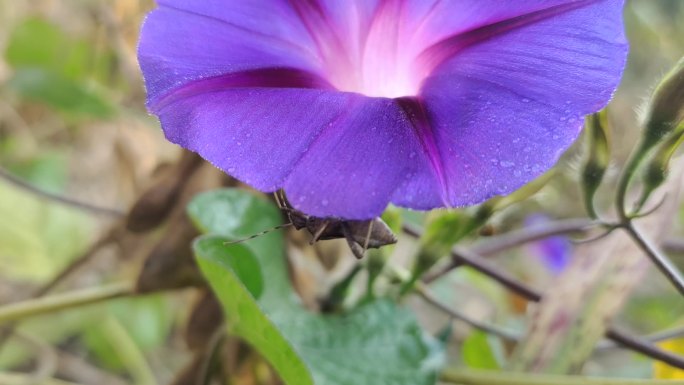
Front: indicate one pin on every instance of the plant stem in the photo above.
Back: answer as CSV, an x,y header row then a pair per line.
x,y
24,379
500,243
425,293
623,184
652,338
39,306
8,329
483,266
473,377
659,260
17,182
129,353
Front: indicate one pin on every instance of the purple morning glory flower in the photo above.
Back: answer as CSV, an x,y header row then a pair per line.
x,y
555,252
349,105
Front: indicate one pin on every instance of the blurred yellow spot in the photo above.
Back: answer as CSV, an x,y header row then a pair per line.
x,y
664,371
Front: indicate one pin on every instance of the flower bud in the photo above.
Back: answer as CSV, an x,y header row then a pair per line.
x,y
657,169
598,157
666,110
664,116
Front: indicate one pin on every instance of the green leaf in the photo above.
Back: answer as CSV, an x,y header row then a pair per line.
x,y
233,213
377,343
479,351
37,43
148,321
245,317
46,170
59,92
40,238
443,230
236,214
239,259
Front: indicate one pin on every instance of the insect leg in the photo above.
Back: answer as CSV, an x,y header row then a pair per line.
x,y
368,236
319,232
279,202
356,249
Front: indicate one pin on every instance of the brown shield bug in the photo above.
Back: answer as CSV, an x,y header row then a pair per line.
x,y
360,235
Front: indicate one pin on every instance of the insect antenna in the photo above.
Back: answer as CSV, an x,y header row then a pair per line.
x,y
259,234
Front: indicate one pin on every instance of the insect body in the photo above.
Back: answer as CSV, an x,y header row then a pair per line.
x,y
360,235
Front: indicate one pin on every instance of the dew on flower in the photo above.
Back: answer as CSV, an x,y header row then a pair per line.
x,y
310,102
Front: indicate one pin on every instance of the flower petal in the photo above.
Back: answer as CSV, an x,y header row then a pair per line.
x,y
504,109
344,160
255,134
434,20
184,41
249,86
354,167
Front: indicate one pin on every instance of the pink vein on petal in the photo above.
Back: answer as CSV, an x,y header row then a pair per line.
x,y
446,48
259,78
420,122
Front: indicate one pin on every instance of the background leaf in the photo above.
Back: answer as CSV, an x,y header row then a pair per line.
x,y
55,69
59,92
479,351
377,343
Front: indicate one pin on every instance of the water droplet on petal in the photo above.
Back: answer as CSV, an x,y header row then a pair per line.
x,y
325,203
526,100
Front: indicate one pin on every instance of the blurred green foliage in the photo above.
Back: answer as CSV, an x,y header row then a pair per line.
x,y
376,343
57,70
67,75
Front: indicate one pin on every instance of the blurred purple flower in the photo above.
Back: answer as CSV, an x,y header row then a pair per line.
x,y
555,252
350,105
